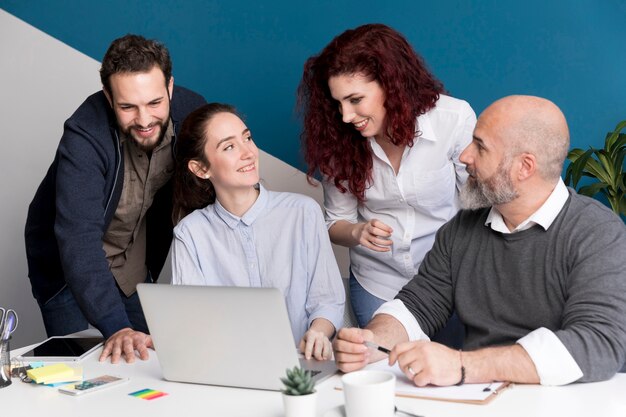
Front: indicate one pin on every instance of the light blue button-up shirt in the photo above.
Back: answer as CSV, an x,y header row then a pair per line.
x,y
280,242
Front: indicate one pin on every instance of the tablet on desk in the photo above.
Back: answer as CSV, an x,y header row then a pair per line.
x,y
63,349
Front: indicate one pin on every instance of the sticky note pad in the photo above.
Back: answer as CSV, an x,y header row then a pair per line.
x,y
52,373
148,394
64,380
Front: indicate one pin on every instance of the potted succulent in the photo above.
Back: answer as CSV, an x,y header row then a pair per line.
x,y
299,396
606,165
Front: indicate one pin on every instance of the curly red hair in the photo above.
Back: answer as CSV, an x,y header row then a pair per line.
x,y
335,148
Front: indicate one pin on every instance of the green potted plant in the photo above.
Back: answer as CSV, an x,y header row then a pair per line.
x,y
606,165
299,396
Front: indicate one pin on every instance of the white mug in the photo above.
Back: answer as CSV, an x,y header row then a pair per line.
x,y
369,393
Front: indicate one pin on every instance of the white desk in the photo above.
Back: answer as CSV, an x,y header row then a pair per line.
x,y
604,399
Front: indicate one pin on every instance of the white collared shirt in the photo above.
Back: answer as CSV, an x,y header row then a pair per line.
x,y
415,203
544,216
553,362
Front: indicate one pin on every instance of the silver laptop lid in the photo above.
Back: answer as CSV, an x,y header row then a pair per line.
x,y
230,336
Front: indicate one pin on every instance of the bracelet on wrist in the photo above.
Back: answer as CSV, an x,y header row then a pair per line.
x,y
462,381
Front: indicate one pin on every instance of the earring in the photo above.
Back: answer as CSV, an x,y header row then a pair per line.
x,y
206,176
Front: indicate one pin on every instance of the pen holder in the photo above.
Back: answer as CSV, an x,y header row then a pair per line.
x,y
5,364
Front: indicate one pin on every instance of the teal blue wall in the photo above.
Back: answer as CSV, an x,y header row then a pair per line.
x,y
250,53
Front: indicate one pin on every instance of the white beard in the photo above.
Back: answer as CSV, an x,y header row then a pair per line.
x,y
497,189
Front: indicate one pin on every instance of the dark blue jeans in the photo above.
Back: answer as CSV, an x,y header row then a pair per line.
x,y
62,315
365,304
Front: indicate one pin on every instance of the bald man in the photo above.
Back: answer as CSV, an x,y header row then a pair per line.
x,y
535,271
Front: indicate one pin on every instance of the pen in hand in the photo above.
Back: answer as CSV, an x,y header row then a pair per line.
x,y
377,347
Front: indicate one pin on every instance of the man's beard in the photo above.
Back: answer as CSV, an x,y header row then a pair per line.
x,y
497,189
141,143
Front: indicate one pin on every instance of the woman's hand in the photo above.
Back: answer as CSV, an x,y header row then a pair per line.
x,y
316,341
315,344
373,235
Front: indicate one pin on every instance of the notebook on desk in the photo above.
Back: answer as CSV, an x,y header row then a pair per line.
x,y
229,336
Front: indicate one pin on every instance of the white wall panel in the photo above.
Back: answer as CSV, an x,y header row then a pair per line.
x,y
42,81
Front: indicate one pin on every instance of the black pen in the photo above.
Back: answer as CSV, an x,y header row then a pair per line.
x,y
377,347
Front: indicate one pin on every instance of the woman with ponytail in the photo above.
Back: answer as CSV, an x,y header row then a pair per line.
x,y
235,232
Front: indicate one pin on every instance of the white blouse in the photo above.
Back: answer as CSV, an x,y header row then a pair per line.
x,y
414,203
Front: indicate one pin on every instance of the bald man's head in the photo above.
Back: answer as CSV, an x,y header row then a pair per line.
x,y
532,125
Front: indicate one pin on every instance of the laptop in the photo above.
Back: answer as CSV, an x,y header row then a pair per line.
x,y
228,336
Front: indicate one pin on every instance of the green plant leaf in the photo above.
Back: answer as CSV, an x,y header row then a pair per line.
x,y
614,204
612,139
618,165
298,382
621,141
608,167
617,142
593,189
579,162
574,154
596,169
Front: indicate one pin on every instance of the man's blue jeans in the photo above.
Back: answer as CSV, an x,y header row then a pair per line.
x,y
62,315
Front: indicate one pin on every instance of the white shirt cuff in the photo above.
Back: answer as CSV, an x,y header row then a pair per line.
x,y
398,310
554,364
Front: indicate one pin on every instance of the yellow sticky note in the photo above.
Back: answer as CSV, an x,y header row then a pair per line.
x,y
62,380
51,373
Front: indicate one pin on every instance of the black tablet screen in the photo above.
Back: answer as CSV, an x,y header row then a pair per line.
x,y
64,347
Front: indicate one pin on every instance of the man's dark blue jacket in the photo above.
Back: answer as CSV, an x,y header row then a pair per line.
x,y
75,203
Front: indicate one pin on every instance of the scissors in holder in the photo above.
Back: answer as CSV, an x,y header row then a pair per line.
x,y
8,324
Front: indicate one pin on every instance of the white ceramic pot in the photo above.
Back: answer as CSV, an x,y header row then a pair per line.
x,y
300,405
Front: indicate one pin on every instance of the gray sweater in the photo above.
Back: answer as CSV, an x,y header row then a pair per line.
x,y
570,279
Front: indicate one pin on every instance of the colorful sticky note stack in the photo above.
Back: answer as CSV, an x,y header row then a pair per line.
x,y
55,374
147,394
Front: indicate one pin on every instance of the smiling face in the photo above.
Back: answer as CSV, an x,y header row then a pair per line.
x,y
232,155
141,102
361,103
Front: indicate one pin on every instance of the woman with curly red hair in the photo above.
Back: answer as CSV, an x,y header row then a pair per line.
x,y
386,141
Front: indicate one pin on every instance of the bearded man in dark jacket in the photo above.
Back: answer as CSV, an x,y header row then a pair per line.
x,y
99,223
